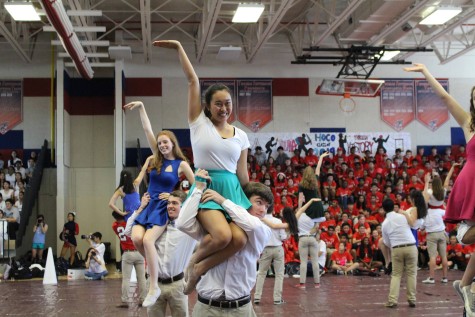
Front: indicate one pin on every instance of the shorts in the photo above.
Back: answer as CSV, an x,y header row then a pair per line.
x,y
463,228
39,246
436,241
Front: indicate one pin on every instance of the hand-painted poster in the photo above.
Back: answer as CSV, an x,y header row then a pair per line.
x,y
254,102
230,83
430,110
397,103
330,141
11,110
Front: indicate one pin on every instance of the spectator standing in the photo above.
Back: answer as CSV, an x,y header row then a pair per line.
x,y
39,239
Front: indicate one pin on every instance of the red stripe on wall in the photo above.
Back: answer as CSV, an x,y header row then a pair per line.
x,y
143,87
36,87
282,87
90,106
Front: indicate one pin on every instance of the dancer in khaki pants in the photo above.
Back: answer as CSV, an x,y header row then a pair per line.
x,y
273,253
397,235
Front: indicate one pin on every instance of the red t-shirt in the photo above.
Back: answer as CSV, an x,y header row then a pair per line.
x,y
334,210
357,225
290,249
359,236
341,258
331,241
324,225
457,248
125,242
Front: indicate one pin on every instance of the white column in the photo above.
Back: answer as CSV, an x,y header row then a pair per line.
x,y
60,169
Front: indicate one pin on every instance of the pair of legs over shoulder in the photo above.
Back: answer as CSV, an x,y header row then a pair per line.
x,y
222,241
144,241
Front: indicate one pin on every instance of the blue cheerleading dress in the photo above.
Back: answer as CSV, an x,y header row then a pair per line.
x,y
131,203
155,214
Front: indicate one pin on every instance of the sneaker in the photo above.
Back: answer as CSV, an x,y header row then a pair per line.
x,y
322,272
411,304
279,302
468,300
457,288
317,285
257,301
390,305
429,281
88,278
286,275
296,276
444,280
339,272
300,286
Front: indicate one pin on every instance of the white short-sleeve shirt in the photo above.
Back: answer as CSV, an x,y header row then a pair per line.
x,y
211,151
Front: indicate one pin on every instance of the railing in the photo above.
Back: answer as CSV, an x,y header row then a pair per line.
x,y
31,194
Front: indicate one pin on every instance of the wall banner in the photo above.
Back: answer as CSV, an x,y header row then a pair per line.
x,y
11,107
430,110
254,102
397,103
330,141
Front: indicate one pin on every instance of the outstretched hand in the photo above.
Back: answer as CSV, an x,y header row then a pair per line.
x,y
133,105
416,68
167,44
323,155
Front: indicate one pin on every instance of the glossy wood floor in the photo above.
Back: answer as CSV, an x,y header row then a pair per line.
x,y
338,296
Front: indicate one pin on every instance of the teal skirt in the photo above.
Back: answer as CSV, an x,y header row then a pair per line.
x,y
227,185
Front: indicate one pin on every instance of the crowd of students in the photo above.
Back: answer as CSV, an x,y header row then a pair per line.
x,y
353,187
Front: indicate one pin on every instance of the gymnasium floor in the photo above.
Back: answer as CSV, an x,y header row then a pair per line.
x,y
338,296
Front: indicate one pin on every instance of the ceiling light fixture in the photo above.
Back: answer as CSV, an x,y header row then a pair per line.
x,y
389,55
248,13
22,11
441,16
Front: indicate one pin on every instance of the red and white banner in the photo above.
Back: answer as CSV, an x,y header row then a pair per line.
x,y
430,110
254,102
11,110
397,103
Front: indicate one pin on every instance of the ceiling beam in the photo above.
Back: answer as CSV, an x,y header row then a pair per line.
x,y
83,22
339,20
268,32
210,15
145,14
14,43
394,26
444,31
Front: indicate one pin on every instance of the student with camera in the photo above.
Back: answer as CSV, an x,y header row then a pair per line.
x,y
39,237
95,265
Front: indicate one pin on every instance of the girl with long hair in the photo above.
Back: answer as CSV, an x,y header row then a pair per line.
x,y
166,168
308,189
128,190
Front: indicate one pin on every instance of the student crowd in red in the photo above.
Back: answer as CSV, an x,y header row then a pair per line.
x,y
353,187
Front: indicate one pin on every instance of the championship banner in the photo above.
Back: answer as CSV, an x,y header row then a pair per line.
x,y
330,141
230,83
254,102
397,103
430,110
11,110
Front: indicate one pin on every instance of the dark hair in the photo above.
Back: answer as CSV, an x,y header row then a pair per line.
x,y
179,194
361,249
259,189
9,201
419,202
126,182
331,227
117,216
289,217
97,234
72,214
344,235
209,95
388,205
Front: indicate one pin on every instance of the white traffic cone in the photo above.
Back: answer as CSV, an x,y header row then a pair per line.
x,y
133,276
50,271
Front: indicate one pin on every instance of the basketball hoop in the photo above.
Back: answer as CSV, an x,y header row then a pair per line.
x,y
347,104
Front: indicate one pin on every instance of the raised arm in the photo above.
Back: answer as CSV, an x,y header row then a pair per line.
x,y
274,225
411,215
141,175
449,175
147,127
301,210
118,193
319,164
194,97
460,115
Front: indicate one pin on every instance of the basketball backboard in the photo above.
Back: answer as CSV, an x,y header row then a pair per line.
x,y
354,87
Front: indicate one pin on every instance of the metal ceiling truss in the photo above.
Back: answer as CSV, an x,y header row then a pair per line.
x,y
356,61
209,17
14,35
145,19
